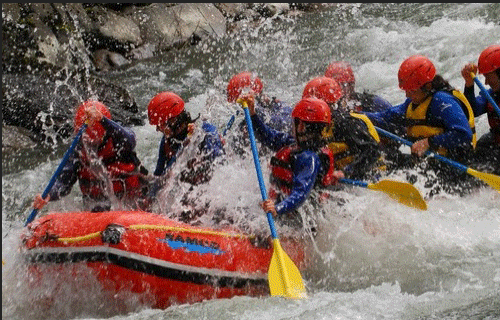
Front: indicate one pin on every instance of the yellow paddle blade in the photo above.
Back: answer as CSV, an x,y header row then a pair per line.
x,y
404,192
283,276
491,179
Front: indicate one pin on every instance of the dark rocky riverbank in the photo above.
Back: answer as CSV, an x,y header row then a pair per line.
x,y
53,54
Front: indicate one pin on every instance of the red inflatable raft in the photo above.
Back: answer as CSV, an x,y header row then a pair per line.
x,y
149,253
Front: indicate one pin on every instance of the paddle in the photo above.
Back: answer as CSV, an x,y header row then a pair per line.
x,y
403,192
230,123
58,171
283,276
489,178
485,93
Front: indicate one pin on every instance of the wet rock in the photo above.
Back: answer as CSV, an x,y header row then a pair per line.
x,y
50,52
15,139
145,51
69,34
37,34
105,60
74,14
19,150
116,27
168,26
10,12
271,9
232,11
45,103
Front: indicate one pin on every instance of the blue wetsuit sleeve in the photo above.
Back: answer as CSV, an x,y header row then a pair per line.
x,y
123,138
160,164
212,143
272,138
161,167
306,169
380,103
390,118
479,103
445,109
280,116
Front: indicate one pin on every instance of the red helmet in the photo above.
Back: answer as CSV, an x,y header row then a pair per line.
x,y
340,71
96,131
324,88
165,105
489,60
312,110
240,81
414,72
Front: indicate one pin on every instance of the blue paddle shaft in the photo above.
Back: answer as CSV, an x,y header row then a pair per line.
x,y
457,165
263,191
354,182
485,93
230,123
58,171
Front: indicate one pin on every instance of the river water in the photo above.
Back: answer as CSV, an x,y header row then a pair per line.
x,y
373,258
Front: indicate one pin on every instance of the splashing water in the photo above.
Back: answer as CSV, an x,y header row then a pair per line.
x,y
372,257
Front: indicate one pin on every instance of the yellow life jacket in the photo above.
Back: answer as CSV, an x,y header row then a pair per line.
x,y
341,149
419,127
369,125
469,113
342,156
380,164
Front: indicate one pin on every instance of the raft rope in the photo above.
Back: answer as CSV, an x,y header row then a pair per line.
x,y
165,228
